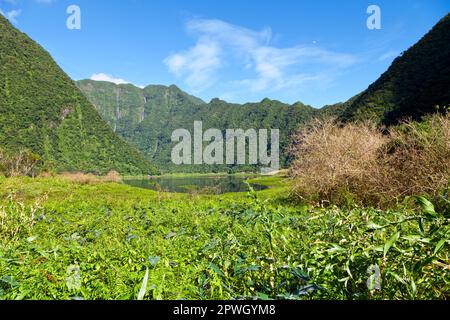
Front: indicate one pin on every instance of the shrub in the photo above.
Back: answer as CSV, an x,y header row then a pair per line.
x,y
88,178
333,163
360,163
81,178
46,174
417,158
113,176
21,163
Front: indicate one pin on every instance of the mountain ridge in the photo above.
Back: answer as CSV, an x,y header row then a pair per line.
x,y
416,82
42,110
147,117
72,125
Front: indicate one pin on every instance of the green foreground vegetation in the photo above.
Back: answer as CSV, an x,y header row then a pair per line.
x,y
63,240
70,234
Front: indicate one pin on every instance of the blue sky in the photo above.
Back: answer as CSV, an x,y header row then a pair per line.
x,y
315,51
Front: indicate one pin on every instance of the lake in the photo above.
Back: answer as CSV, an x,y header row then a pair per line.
x,y
204,184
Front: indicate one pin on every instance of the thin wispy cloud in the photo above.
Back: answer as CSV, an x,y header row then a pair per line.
x,y
14,13
197,65
109,78
391,54
220,45
11,15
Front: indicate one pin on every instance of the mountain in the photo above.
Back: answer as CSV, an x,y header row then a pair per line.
x,y
413,86
415,83
124,106
42,110
147,117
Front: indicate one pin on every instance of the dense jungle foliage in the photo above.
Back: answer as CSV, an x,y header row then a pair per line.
x,y
42,111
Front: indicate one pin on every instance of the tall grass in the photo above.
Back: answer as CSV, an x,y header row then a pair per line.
x,y
17,219
360,163
88,178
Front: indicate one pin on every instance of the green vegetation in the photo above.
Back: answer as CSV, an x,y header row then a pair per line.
x,y
65,240
415,84
21,163
42,112
147,117
359,202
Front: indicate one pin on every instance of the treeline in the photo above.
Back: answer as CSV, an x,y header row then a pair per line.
x,y
147,117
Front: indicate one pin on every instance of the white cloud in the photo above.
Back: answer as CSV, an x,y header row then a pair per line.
x,y
220,44
11,15
109,78
198,65
389,55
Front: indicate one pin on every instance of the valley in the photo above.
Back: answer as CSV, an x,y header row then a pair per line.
x,y
93,207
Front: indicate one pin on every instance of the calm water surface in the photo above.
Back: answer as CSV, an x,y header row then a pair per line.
x,y
196,184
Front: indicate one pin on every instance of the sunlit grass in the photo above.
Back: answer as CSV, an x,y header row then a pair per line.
x,y
235,245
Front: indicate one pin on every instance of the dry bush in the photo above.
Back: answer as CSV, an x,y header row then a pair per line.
x,y
358,163
81,178
417,157
88,178
46,174
112,176
21,163
334,162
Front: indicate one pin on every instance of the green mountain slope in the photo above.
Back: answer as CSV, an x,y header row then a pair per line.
x,y
147,117
415,83
42,110
413,86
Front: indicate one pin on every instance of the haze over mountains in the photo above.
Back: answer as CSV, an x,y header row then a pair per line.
x,y
43,110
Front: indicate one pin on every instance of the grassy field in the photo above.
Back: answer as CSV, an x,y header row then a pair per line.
x,y
65,240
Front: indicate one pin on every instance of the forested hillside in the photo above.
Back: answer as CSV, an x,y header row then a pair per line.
x,y
147,117
42,110
416,83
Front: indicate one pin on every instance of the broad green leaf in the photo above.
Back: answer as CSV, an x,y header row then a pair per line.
x,y
143,290
416,238
262,296
391,242
216,269
439,245
398,278
335,248
427,206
